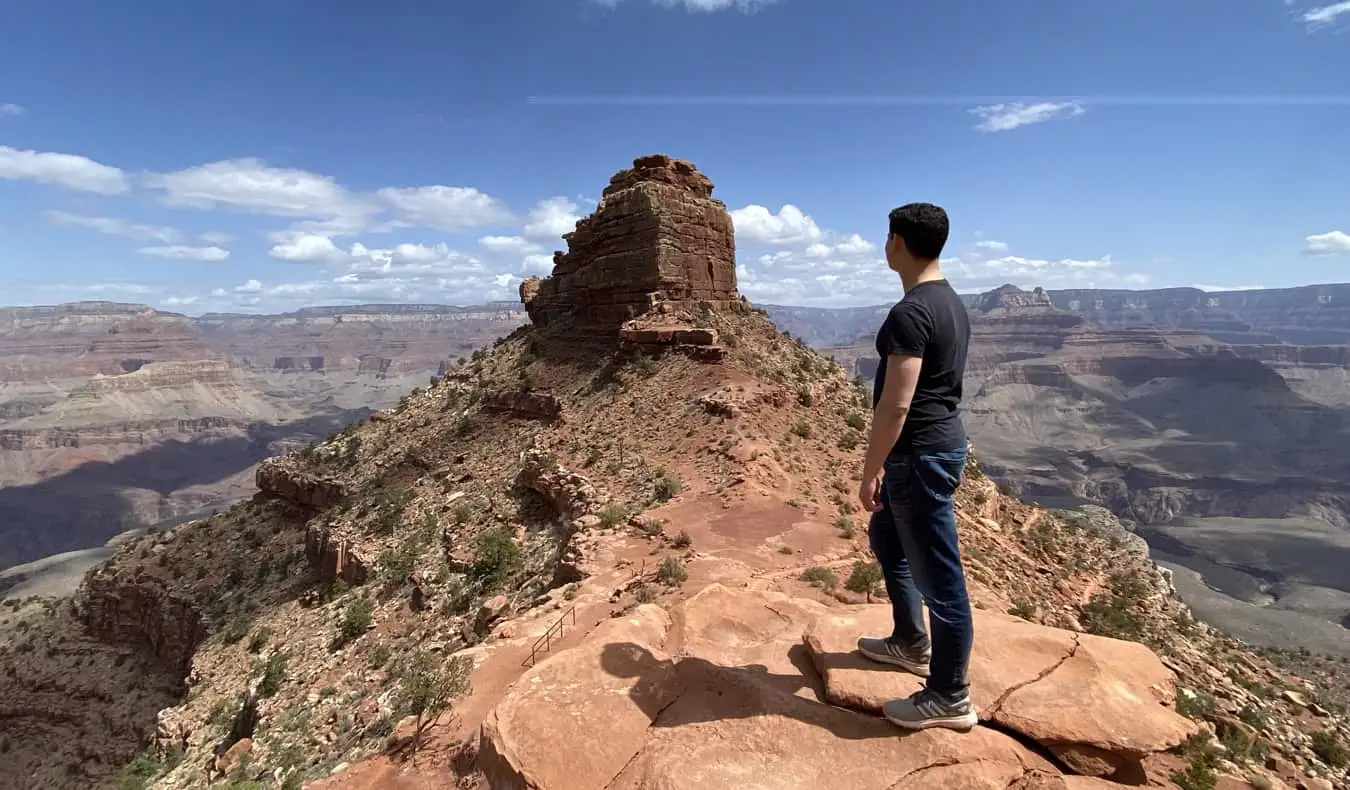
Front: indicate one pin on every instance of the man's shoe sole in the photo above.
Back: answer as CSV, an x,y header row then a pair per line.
x,y
885,658
964,722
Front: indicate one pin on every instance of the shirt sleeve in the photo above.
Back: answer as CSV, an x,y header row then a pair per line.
x,y
908,331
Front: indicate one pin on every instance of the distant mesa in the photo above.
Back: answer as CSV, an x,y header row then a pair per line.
x,y
657,243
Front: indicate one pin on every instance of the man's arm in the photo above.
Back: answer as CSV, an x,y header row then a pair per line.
x,y
888,418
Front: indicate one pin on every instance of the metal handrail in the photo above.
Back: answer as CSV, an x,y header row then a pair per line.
x,y
547,639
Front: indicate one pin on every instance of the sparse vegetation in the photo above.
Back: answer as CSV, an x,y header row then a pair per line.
x,y
845,526
1202,757
258,640
497,558
671,572
1114,612
864,578
1022,608
820,576
427,685
667,487
682,540
273,674
612,515
1329,749
1194,705
356,618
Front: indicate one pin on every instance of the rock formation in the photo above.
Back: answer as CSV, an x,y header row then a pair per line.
x,y
708,694
658,237
643,593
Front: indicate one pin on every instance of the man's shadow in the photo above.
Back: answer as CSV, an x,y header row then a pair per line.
x,y
675,693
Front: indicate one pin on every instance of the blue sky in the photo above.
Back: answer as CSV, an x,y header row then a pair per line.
x,y
260,156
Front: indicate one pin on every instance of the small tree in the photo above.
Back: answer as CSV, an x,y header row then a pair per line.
x,y
864,579
428,686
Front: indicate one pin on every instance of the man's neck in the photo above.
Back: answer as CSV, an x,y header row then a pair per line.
x,y
932,271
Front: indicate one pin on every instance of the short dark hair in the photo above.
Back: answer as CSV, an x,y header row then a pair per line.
x,y
924,228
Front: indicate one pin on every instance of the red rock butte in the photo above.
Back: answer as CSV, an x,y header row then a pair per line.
x,y
658,242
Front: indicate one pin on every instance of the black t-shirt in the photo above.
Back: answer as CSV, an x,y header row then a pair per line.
x,y
930,322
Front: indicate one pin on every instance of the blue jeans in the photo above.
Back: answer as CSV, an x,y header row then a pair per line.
x,y
914,539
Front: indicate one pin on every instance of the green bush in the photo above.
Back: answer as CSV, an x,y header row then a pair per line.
x,y
496,557
355,621
1329,748
864,578
671,572
821,577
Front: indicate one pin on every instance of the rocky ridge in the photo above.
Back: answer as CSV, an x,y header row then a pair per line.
x,y
635,584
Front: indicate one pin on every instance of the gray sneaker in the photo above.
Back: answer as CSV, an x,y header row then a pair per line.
x,y
925,709
886,651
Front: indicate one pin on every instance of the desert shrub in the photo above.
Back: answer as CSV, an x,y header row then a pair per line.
x,y
274,672
355,620
802,428
258,640
237,628
671,572
427,685
497,557
1195,704
1328,747
1202,757
822,577
845,526
1112,612
682,540
855,420
612,515
804,396
667,487
848,441
1022,608
864,578
644,593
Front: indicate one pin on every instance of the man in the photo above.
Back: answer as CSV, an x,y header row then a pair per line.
x,y
915,456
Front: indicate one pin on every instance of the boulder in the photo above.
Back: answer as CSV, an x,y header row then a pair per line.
x,y
1099,704
578,717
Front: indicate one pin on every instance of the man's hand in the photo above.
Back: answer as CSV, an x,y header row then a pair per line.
x,y
869,493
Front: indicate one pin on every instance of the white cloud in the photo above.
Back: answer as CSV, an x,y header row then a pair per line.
x,y
11,110
298,247
252,186
115,227
838,269
446,208
701,6
187,253
755,223
1005,117
216,237
180,301
66,170
1330,243
249,287
551,218
509,245
1327,14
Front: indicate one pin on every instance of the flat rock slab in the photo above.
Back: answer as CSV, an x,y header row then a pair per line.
x,y
732,729
575,719
755,631
1098,704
